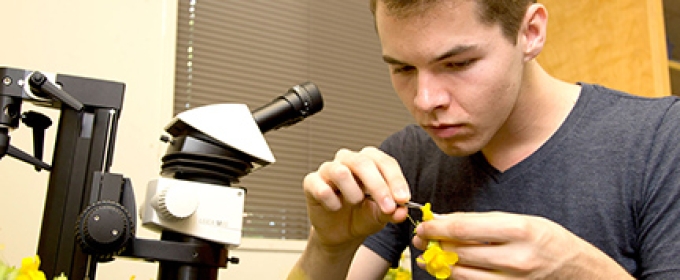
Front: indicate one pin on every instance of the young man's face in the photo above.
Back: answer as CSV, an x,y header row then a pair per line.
x,y
458,77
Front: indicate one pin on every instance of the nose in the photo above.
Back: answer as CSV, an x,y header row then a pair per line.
x,y
430,94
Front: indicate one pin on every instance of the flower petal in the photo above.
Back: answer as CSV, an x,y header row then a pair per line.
x,y
437,261
427,212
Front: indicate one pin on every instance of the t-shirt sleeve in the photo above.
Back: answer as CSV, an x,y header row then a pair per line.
x,y
658,212
390,242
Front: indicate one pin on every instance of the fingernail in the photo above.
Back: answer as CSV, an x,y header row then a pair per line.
x,y
388,204
401,194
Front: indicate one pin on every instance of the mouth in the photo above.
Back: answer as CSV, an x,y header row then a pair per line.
x,y
443,130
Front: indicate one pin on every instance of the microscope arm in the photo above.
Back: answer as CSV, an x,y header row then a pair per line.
x,y
43,87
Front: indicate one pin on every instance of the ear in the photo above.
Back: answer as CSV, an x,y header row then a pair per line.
x,y
533,31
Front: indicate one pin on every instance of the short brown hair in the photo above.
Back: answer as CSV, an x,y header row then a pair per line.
x,y
507,13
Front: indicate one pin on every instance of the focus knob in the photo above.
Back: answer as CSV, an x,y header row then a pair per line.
x,y
175,203
104,229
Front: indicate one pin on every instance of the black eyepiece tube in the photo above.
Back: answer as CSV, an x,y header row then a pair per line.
x,y
299,102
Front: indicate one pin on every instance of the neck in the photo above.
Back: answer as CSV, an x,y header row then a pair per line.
x,y
543,104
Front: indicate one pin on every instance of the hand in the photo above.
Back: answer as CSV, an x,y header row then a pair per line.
x,y
510,246
336,196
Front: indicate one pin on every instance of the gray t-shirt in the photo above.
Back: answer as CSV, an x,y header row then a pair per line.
x,y
609,175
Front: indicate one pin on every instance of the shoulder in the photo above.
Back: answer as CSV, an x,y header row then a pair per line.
x,y
598,95
614,108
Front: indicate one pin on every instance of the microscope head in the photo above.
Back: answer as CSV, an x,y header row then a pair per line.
x,y
212,147
222,142
228,125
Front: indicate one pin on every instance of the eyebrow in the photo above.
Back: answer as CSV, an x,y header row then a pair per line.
x,y
451,52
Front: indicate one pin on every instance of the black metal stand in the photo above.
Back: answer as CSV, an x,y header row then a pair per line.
x,y
83,148
80,178
86,137
183,271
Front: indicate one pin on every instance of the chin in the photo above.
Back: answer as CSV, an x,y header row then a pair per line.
x,y
456,150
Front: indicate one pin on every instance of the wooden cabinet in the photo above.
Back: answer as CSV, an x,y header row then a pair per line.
x,y
674,70
620,44
672,21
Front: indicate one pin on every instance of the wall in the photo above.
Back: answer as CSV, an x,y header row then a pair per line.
x,y
129,41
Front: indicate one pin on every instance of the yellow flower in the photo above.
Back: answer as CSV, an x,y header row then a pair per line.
x,y
403,274
427,212
437,261
29,269
30,264
398,273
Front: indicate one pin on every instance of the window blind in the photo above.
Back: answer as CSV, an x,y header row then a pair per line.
x,y
249,52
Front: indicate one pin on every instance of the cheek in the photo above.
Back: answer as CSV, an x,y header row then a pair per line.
x,y
494,81
489,99
404,90
478,91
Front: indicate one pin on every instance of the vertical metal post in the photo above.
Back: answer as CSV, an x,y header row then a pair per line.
x,y
83,147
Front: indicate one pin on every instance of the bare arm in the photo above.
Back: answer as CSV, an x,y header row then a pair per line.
x,y
317,263
367,265
321,262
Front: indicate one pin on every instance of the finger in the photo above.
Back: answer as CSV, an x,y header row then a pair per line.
x,y
365,170
342,181
460,271
318,192
419,242
452,245
331,185
467,269
366,167
486,256
493,227
399,215
391,172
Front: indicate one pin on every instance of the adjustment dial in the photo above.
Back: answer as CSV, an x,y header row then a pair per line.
x,y
104,229
175,203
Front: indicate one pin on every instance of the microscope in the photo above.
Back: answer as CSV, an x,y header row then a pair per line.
x,y
90,214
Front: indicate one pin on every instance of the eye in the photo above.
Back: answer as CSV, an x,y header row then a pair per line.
x,y
460,64
402,69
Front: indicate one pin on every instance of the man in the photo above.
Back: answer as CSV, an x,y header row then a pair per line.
x,y
532,177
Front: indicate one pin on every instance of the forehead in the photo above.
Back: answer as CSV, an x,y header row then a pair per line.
x,y
428,13
414,8
439,26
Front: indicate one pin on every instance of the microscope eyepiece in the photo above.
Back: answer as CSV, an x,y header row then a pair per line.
x,y
300,102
